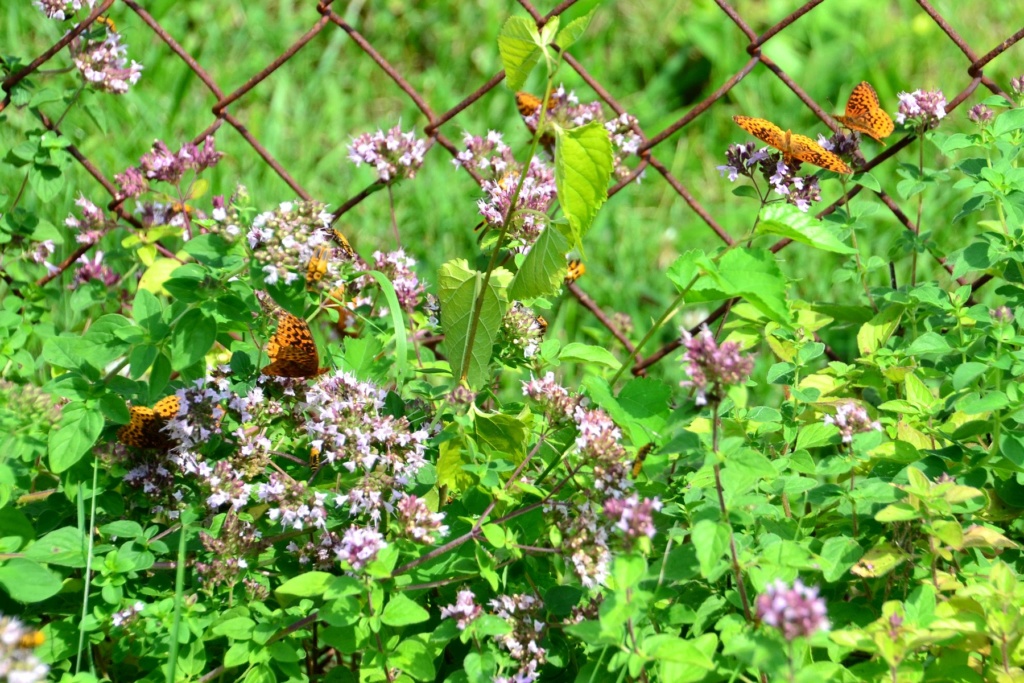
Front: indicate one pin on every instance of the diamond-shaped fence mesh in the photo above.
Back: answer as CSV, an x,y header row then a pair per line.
x,y
230,107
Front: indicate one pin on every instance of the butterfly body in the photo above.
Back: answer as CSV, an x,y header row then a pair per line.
x,y
864,113
145,429
792,145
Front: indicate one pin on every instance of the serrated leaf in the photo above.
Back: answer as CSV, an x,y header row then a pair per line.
x,y
459,288
583,167
573,30
519,45
543,269
753,275
686,268
787,220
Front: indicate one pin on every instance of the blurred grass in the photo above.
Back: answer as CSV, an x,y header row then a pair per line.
x,y
658,59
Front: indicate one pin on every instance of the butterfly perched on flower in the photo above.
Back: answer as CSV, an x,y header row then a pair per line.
x,y
146,426
292,349
528,106
791,145
865,114
317,266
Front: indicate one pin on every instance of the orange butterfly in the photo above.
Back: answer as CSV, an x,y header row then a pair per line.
x,y
528,104
317,266
575,272
146,428
865,114
292,350
791,145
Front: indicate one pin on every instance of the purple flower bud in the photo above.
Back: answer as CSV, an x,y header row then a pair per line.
x,y
980,114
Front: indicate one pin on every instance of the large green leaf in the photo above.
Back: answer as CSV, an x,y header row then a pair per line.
x,y
519,44
753,275
787,220
583,167
543,269
459,288
78,430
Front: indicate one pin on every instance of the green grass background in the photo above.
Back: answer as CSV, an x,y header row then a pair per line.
x,y
659,60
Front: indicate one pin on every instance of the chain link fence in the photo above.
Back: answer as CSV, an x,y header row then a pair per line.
x,y
325,17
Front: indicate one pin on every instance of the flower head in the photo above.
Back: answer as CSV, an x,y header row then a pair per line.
x,y
103,65
744,160
1017,85
980,114
395,155
923,108
713,368
852,419
796,611
18,661
464,609
632,516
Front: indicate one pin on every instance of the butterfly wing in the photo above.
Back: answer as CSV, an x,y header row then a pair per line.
x,y
864,113
145,428
292,350
805,149
528,104
763,130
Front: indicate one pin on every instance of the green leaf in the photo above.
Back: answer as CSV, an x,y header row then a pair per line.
x,y
237,628
583,167
646,400
684,270
874,333
193,336
503,433
628,571
543,269
77,431
308,585
1008,121
397,322
973,404
27,581
146,310
519,44
585,353
65,547
575,28
413,658
711,539
787,220
401,611
459,288
753,275
838,554
966,373
929,342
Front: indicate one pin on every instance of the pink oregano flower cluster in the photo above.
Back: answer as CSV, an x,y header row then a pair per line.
x,y
394,155
795,612
712,367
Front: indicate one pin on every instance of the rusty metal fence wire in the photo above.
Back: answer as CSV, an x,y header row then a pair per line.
x,y
328,19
